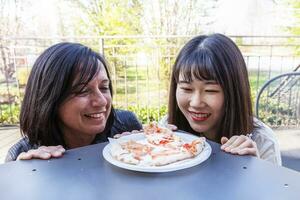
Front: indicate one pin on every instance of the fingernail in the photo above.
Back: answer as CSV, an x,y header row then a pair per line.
x,y
228,149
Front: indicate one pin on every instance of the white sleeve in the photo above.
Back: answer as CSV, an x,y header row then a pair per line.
x,y
267,143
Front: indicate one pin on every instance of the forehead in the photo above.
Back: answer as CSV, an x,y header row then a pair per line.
x,y
101,74
195,70
184,78
85,74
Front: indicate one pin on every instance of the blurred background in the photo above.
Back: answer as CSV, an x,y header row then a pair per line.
x,y
141,38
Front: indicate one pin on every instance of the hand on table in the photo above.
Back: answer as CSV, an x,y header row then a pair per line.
x,y
240,145
43,152
172,127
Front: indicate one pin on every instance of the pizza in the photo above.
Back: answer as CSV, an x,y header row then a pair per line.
x,y
159,146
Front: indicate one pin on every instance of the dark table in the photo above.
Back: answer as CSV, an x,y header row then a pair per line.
x,y
84,174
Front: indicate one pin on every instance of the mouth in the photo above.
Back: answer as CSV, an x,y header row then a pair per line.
x,y
99,115
199,116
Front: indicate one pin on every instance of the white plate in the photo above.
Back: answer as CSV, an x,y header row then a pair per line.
x,y
166,168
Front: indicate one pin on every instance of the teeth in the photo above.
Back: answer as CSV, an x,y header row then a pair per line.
x,y
95,115
201,115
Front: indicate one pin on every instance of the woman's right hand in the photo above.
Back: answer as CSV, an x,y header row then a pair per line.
x,y
43,152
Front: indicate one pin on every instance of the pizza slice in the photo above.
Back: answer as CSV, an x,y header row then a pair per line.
x,y
130,152
172,155
156,148
161,136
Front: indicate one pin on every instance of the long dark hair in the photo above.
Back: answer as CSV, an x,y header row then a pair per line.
x,y
53,77
215,57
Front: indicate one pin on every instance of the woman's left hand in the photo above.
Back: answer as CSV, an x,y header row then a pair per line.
x,y
240,145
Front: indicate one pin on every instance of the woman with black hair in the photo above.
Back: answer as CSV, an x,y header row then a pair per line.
x,y
210,96
68,104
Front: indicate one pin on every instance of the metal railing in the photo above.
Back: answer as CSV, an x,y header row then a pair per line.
x,y
278,101
140,67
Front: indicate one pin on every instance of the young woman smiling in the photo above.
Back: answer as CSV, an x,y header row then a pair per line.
x,y
68,104
210,96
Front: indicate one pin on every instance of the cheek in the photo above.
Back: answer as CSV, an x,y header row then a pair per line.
x,y
108,96
180,98
70,107
218,103
108,99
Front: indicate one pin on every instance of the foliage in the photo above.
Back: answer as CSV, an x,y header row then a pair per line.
x,y
273,112
296,6
295,30
277,115
148,114
108,18
179,17
9,114
22,75
113,17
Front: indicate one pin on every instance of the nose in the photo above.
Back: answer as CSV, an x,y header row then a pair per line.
x,y
197,100
98,99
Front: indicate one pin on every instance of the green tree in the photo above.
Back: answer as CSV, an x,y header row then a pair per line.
x,y
295,4
110,17
295,29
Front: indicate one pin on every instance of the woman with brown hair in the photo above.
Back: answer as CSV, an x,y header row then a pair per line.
x,y
210,96
68,104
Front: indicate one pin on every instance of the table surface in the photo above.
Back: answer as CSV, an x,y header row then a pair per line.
x,y
84,174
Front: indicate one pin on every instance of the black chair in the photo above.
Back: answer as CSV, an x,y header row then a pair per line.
x,y
278,105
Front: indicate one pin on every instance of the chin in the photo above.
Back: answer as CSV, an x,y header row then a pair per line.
x,y
199,129
97,130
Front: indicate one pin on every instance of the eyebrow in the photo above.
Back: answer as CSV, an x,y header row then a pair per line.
x,y
207,82
211,82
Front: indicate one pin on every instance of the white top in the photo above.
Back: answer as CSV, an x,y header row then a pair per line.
x,y
264,138
266,142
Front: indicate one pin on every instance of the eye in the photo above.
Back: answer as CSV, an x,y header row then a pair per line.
x,y
186,89
211,90
104,88
82,92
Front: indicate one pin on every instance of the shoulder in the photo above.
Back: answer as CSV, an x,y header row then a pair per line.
x,y
22,145
124,114
125,121
262,130
266,141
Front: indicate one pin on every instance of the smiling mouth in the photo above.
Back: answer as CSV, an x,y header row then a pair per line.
x,y
199,116
95,115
